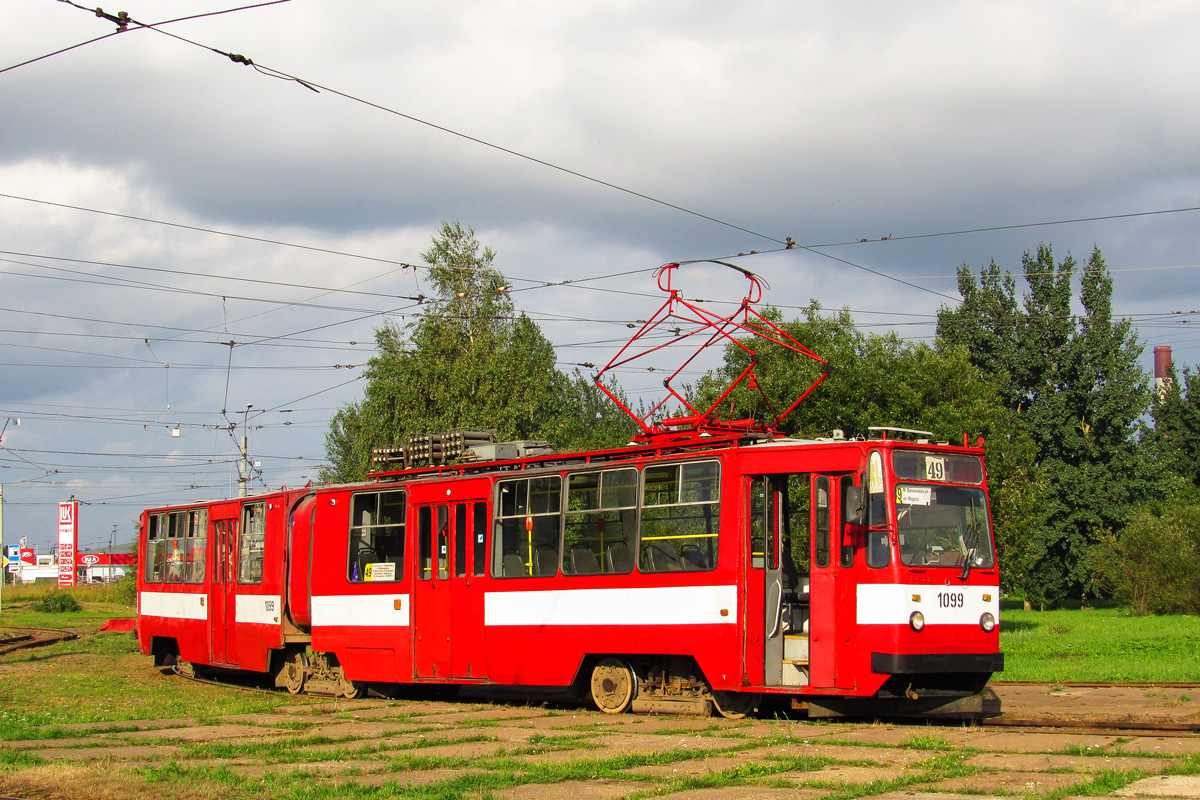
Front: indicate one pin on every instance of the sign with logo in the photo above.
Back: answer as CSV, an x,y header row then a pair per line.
x,y
90,559
68,538
29,555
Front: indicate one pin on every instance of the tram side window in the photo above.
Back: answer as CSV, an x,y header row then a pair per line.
x,y
479,530
196,544
680,517
525,540
796,532
175,548
762,543
821,520
377,526
252,543
879,551
600,523
155,548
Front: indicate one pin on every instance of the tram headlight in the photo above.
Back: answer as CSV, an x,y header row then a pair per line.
x,y
987,622
917,620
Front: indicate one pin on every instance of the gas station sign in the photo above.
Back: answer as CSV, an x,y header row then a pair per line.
x,y
68,538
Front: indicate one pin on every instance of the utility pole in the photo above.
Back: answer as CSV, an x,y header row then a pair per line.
x,y
3,552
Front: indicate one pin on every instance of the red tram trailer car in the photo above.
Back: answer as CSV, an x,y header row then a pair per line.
x,y
708,564
658,577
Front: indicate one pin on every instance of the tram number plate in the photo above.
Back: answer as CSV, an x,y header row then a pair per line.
x,y
950,599
935,468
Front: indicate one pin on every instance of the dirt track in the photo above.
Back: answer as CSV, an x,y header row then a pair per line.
x,y
472,749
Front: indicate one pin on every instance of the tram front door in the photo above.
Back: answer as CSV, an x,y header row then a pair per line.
x,y
832,597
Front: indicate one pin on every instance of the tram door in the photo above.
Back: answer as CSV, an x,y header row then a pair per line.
x,y
448,593
765,623
777,602
832,590
223,599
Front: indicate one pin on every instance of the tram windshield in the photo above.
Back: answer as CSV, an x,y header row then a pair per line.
x,y
943,526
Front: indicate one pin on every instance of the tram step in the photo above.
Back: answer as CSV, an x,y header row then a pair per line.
x,y
794,674
795,647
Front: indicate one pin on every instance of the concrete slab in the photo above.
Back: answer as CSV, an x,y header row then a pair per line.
x,y
893,735
1036,762
749,793
842,773
1016,782
1162,746
115,752
1163,786
425,777
840,752
689,768
357,729
576,790
1040,742
211,733
466,750
255,771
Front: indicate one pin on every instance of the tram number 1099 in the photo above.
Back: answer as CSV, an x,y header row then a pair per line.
x,y
950,599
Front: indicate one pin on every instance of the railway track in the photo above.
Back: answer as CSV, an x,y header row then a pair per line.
x,y
1123,726
1101,684
22,638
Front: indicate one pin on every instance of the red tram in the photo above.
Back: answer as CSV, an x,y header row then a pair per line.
x,y
653,576
681,573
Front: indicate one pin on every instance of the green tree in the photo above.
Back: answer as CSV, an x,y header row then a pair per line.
x,y
1174,438
1073,386
1153,564
469,360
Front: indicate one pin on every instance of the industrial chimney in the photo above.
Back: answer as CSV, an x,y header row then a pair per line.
x,y
1162,370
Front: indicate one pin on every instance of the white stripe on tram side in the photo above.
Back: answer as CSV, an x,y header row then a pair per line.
x,y
263,609
174,605
892,603
664,605
361,610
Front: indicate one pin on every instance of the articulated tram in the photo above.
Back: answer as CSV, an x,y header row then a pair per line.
x,y
848,575
708,565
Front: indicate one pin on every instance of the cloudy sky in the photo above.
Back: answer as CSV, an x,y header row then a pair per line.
x,y
183,234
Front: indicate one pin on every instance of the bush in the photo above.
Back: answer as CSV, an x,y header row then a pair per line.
x,y
1154,563
56,603
126,590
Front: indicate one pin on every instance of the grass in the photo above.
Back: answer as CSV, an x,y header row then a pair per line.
x,y
100,602
109,683
1098,644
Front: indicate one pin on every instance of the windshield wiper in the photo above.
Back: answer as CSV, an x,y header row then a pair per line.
x,y
966,573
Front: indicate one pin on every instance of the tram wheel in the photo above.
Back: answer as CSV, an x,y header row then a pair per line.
x,y
735,705
294,673
351,690
613,686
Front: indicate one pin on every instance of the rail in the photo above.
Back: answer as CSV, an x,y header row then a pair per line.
x,y
22,638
